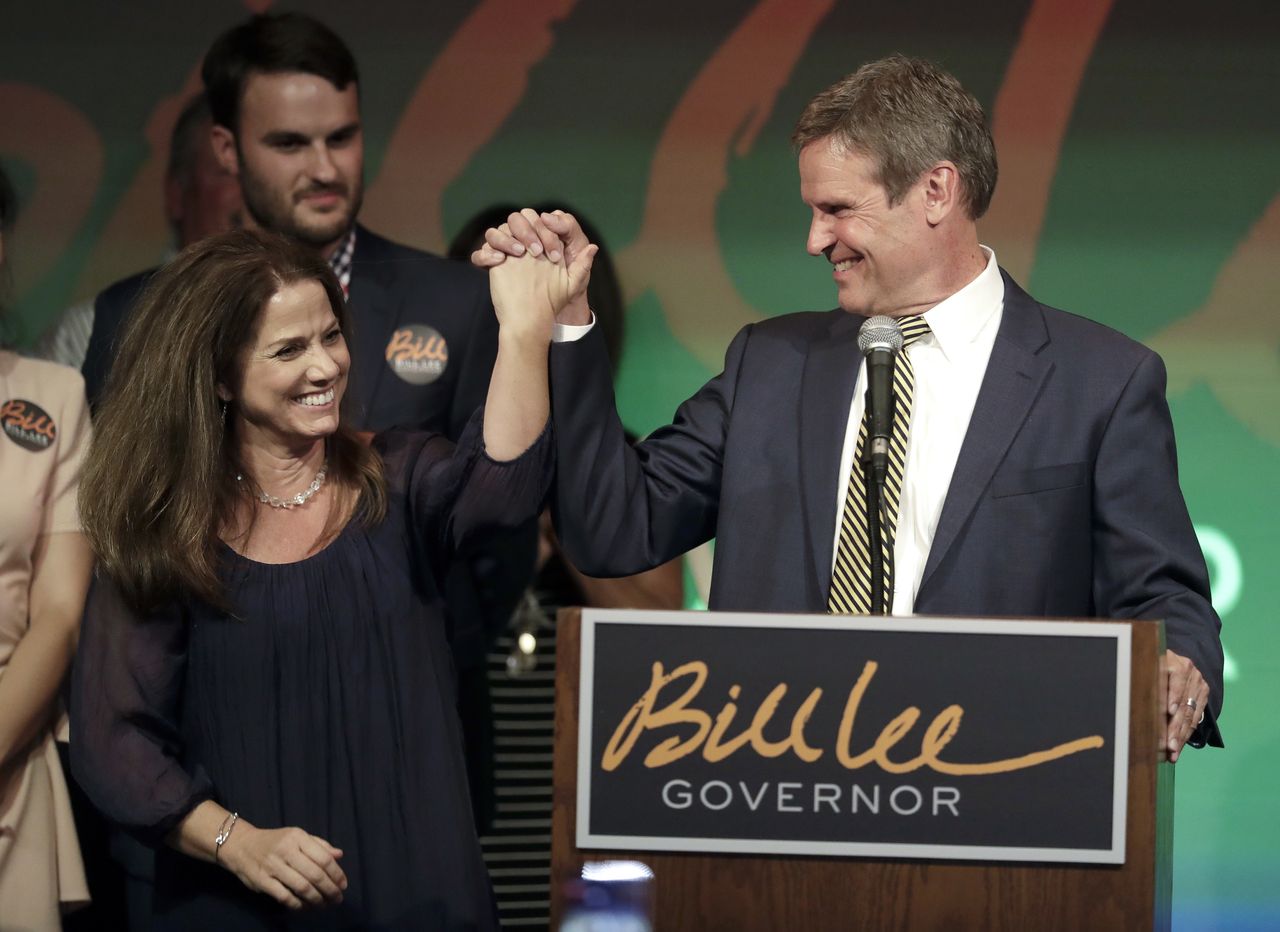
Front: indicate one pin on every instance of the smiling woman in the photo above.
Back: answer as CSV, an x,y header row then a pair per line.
x,y
264,682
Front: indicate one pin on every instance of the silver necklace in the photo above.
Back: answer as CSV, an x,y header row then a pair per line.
x,y
295,500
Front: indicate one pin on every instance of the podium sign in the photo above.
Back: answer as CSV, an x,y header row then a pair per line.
x,y
873,737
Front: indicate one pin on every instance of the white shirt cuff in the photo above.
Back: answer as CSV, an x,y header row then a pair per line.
x,y
571,333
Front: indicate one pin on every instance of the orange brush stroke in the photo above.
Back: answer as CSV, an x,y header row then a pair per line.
x,y
678,253
51,135
137,236
466,95
1030,119
1232,343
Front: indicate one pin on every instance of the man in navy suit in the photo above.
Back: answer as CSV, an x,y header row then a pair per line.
x,y
1040,474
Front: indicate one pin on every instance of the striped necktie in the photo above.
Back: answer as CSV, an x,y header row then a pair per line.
x,y
851,576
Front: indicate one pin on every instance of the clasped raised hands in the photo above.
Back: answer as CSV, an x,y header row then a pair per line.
x,y
539,266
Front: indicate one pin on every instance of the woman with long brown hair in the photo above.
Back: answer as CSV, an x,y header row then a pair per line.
x,y
264,682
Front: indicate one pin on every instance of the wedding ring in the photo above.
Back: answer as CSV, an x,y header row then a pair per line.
x,y
1191,703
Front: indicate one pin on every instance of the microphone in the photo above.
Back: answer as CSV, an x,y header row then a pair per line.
x,y
880,340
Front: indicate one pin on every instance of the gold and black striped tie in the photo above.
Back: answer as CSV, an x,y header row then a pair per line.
x,y
851,576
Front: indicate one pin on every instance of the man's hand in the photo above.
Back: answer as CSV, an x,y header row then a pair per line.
x,y
556,235
1188,695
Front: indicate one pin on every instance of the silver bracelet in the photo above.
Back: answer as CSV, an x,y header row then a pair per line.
x,y
224,832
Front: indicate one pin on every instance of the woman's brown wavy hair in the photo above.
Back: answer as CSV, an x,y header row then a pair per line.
x,y
160,478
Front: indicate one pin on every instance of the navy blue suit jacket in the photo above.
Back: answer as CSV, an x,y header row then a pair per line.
x,y
1064,501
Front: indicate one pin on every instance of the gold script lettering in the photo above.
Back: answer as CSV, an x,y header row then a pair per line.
x,y
645,715
641,717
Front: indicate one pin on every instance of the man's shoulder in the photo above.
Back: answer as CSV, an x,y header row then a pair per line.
x,y
803,326
397,264
122,294
1075,334
29,374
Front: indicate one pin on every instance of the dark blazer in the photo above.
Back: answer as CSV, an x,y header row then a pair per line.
x,y
1064,501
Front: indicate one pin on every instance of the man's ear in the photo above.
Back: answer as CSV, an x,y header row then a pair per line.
x,y
224,149
941,191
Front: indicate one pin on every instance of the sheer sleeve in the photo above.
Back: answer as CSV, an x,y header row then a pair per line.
x,y
126,745
456,493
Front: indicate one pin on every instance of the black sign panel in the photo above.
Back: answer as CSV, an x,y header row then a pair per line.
x,y
911,737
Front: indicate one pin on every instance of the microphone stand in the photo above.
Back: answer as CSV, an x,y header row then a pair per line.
x,y
879,340
874,467
874,492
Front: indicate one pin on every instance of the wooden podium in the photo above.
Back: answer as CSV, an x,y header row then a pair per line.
x,y
699,891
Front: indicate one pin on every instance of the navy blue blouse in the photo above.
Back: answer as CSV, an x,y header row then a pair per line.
x,y
327,702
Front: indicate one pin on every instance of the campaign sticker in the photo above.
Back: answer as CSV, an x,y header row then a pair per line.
x,y
418,354
28,425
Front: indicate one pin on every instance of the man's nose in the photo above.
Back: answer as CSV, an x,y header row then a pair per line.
x,y
820,237
322,166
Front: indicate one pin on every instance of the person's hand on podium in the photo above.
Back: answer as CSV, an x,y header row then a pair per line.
x,y
556,235
1188,696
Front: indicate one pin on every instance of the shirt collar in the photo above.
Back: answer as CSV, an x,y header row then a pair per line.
x,y
340,261
961,318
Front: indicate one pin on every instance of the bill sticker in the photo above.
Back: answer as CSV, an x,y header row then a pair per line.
x,y
418,354
27,424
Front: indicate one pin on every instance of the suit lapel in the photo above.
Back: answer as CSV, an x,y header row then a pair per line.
x,y
1014,377
372,311
826,393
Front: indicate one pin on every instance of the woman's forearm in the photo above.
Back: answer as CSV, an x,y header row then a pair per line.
x,y
518,403
59,580
31,682
195,836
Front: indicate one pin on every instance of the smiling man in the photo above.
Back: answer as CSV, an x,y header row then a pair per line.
x,y
1032,462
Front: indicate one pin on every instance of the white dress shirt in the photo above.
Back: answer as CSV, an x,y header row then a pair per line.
x,y
949,363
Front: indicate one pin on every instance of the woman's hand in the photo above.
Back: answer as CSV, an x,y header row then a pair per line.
x,y
530,291
287,864
555,236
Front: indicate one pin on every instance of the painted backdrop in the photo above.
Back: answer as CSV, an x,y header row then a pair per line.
x,y
1138,143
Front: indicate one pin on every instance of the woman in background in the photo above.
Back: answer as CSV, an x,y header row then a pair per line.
x,y
44,573
264,682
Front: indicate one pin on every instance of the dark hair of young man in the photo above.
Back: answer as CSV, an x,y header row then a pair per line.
x,y
275,43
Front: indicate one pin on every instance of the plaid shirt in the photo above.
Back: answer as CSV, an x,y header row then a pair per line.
x,y
340,261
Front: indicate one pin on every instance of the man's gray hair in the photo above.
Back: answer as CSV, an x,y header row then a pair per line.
x,y
907,114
